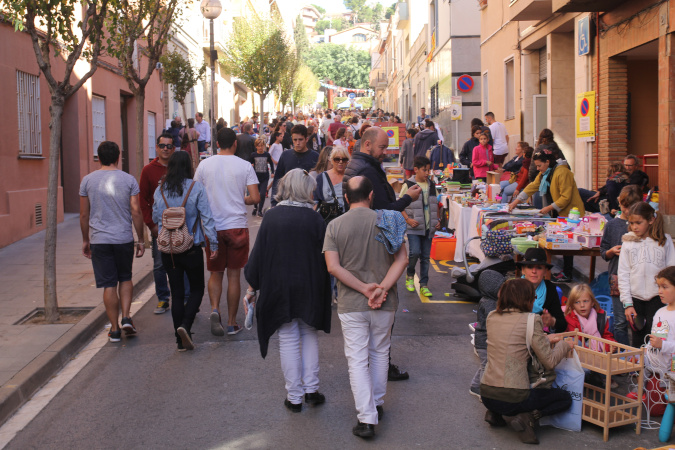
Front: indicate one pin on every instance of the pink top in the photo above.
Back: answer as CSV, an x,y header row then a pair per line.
x,y
482,160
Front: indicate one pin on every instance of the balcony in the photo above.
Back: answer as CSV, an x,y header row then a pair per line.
x,y
378,80
564,6
525,10
403,15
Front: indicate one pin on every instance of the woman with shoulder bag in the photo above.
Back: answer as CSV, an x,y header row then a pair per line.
x,y
177,189
328,194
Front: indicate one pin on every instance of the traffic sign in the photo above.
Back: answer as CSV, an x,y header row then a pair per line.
x,y
584,107
465,83
584,37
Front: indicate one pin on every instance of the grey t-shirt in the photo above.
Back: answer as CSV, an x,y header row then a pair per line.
x,y
352,236
109,205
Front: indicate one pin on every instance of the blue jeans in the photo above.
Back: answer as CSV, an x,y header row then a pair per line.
x,y
620,323
420,248
475,383
161,282
507,190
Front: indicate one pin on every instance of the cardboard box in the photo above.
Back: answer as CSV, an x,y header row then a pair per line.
x,y
559,245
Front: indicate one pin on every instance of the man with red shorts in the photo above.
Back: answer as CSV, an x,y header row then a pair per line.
x,y
227,178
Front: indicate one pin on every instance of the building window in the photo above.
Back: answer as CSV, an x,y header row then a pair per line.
x,y
509,89
30,126
98,121
151,135
359,37
434,101
486,108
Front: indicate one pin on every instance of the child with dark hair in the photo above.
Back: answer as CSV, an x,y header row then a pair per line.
x,y
421,216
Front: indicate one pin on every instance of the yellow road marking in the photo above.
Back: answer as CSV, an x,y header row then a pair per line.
x,y
424,299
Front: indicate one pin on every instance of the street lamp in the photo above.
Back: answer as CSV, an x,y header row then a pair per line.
x,y
211,10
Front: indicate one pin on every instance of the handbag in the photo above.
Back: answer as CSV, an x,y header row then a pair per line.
x,y
333,210
174,237
497,243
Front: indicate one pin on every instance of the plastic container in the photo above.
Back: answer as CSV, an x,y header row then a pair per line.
x,y
521,244
443,249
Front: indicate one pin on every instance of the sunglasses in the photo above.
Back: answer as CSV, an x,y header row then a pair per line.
x,y
163,146
341,160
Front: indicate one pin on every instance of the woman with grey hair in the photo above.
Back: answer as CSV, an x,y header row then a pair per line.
x,y
287,266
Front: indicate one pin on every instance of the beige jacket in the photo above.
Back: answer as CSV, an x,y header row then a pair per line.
x,y
506,373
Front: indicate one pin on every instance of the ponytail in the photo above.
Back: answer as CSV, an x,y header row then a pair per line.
x,y
656,229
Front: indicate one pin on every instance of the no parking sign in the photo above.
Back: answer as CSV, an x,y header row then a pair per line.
x,y
586,114
465,83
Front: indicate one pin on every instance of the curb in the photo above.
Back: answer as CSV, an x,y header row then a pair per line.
x,y
21,387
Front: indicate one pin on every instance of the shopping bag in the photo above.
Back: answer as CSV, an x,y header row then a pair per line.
x,y
570,377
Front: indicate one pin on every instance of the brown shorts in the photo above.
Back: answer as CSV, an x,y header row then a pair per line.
x,y
499,159
232,250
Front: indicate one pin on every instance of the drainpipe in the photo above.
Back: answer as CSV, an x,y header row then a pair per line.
x,y
597,96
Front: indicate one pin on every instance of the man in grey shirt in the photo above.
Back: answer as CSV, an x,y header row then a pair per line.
x,y
108,206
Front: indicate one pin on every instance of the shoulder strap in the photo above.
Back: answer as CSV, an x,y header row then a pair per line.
x,y
187,195
162,192
330,184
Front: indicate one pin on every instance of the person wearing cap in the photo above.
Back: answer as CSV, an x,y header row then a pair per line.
x,y
547,303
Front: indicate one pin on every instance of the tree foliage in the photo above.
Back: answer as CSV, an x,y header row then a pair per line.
x,y
305,87
286,83
344,65
71,30
300,37
390,11
181,75
366,13
337,23
143,27
319,8
258,53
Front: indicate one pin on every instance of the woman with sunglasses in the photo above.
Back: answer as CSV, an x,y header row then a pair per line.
x,y
329,183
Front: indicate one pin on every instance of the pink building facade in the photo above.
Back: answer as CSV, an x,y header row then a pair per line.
x,y
103,109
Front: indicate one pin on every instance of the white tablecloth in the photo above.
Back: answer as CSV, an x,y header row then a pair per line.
x,y
463,219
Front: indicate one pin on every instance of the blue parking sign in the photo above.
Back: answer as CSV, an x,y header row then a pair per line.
x,y
584,37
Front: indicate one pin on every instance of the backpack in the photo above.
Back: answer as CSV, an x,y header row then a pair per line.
x,y
174,238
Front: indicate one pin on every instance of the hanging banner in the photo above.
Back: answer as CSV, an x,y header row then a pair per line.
x,y
585,114
456,107
392,134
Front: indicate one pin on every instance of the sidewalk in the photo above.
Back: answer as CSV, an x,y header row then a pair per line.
x,y
31,354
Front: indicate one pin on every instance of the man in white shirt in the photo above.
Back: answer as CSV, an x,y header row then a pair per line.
x,y
325,123
204,139
226,178
500,138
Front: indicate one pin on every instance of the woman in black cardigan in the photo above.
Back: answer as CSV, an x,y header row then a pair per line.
x,y
288,268
547,301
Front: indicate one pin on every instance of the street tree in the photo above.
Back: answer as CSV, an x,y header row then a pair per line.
x,y
305,86
181,75
319,8
142,29
64,33
257,52
344,65
300,37
337,23
287,80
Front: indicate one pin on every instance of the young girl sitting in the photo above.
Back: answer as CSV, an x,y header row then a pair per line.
x,y
646,250
583,313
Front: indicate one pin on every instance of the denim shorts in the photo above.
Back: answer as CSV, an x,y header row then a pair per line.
x,y
112,263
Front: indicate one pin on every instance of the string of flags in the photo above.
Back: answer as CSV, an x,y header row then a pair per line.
x,y
347,90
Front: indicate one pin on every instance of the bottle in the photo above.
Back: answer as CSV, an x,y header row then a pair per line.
x,y
574,214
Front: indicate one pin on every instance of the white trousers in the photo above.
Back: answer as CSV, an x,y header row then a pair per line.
x,y
299,352
367,338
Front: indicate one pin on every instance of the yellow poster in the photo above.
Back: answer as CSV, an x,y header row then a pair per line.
x,y
392,134
586,114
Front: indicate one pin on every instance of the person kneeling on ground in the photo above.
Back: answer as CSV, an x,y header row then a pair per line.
x,y
505,388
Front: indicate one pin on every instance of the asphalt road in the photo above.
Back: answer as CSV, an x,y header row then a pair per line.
x,y
144,394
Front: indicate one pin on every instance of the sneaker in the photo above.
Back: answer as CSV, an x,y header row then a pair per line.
x,y
233,329
185,338
315,398
254,212
115,336
410,284
216,326
260,214
396,374
293,407
560,277
128,326
364,430
179,343
426,292
162,307
474,391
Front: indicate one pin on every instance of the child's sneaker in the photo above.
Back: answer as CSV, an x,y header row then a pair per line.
x,y
425,291
410,284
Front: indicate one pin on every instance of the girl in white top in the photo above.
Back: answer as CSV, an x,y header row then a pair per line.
x,y
663,329
646,250
276,149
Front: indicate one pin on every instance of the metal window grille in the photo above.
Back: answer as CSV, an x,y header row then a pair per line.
x,y
543,64
98,121
38,214
28,101
151,135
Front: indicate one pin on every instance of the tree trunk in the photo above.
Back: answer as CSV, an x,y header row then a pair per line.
x,y
140,130
51,300
262,113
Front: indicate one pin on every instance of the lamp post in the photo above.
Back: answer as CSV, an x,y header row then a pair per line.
x,y
211,10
